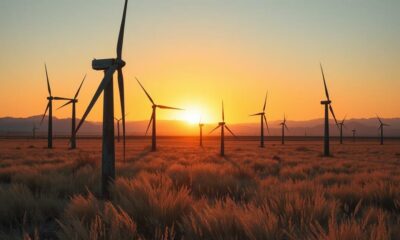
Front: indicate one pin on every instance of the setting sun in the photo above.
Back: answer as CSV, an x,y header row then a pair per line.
x,y
191,116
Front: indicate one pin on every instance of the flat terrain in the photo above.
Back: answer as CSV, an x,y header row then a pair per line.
x,y
184,191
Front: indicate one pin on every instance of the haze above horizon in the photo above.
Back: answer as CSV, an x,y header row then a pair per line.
x,y
193,54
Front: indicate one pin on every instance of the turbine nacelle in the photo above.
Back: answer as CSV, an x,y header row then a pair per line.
x,y
104,64
221,123
326,102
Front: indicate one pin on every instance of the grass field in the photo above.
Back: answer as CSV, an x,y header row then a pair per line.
x,y
187,192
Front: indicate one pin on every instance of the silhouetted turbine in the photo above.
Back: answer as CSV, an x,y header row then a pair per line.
x,y
34,128
201,125
341,125
283,124
49,108
354,135
222,125
109,66
153,118
327,104
73,101
262,119
381,125
118,121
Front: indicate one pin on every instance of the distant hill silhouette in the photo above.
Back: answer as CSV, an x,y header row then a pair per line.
x,y
365,127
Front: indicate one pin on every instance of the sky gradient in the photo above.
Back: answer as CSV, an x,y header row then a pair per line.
x,y
192,54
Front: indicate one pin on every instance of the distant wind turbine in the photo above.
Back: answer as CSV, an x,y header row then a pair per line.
x,y
381,125
201,125
109,67
153,117
49,108
341,125
222,125
262,119
118,122
34,128
327,104
354,135
284,125
73,101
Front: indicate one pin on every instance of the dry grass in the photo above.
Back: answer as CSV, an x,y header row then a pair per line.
x,y
185,192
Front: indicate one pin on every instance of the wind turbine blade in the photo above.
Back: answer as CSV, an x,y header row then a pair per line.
x,y
166,107
151,120
79,89
106,80
223,113
67,103
214,129
326,88
333,114
379,119
45,111
344,119
266,122
227,128
122,101
265,101
121,33
48,81
256,114
148,95
286,127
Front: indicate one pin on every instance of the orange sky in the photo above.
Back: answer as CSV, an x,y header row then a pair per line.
x,y
194,54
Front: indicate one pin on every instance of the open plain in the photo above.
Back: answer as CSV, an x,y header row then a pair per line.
x,y
183,191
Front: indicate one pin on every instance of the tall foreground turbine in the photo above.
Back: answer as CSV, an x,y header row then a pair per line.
x,y
153,118
284,126
262,119
381,125
73,101
222,125
49,108
109,66
328,107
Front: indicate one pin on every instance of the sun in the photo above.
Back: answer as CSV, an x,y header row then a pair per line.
x,y
191,116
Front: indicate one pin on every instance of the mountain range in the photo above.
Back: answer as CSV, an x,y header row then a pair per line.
x,y
10,126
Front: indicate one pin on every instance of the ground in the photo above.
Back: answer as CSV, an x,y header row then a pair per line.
x,y
183,191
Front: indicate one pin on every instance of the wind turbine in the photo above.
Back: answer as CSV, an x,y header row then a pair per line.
x,y
118,121
49,108
153,117
73,101
262,119
109,66
341,125
381,127
34,128
327,104
354,135
283,124
201,125
222,125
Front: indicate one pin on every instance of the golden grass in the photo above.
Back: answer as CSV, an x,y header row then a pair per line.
x,y
186,192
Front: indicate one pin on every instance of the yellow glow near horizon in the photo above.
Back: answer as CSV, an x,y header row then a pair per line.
x,y
191,116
